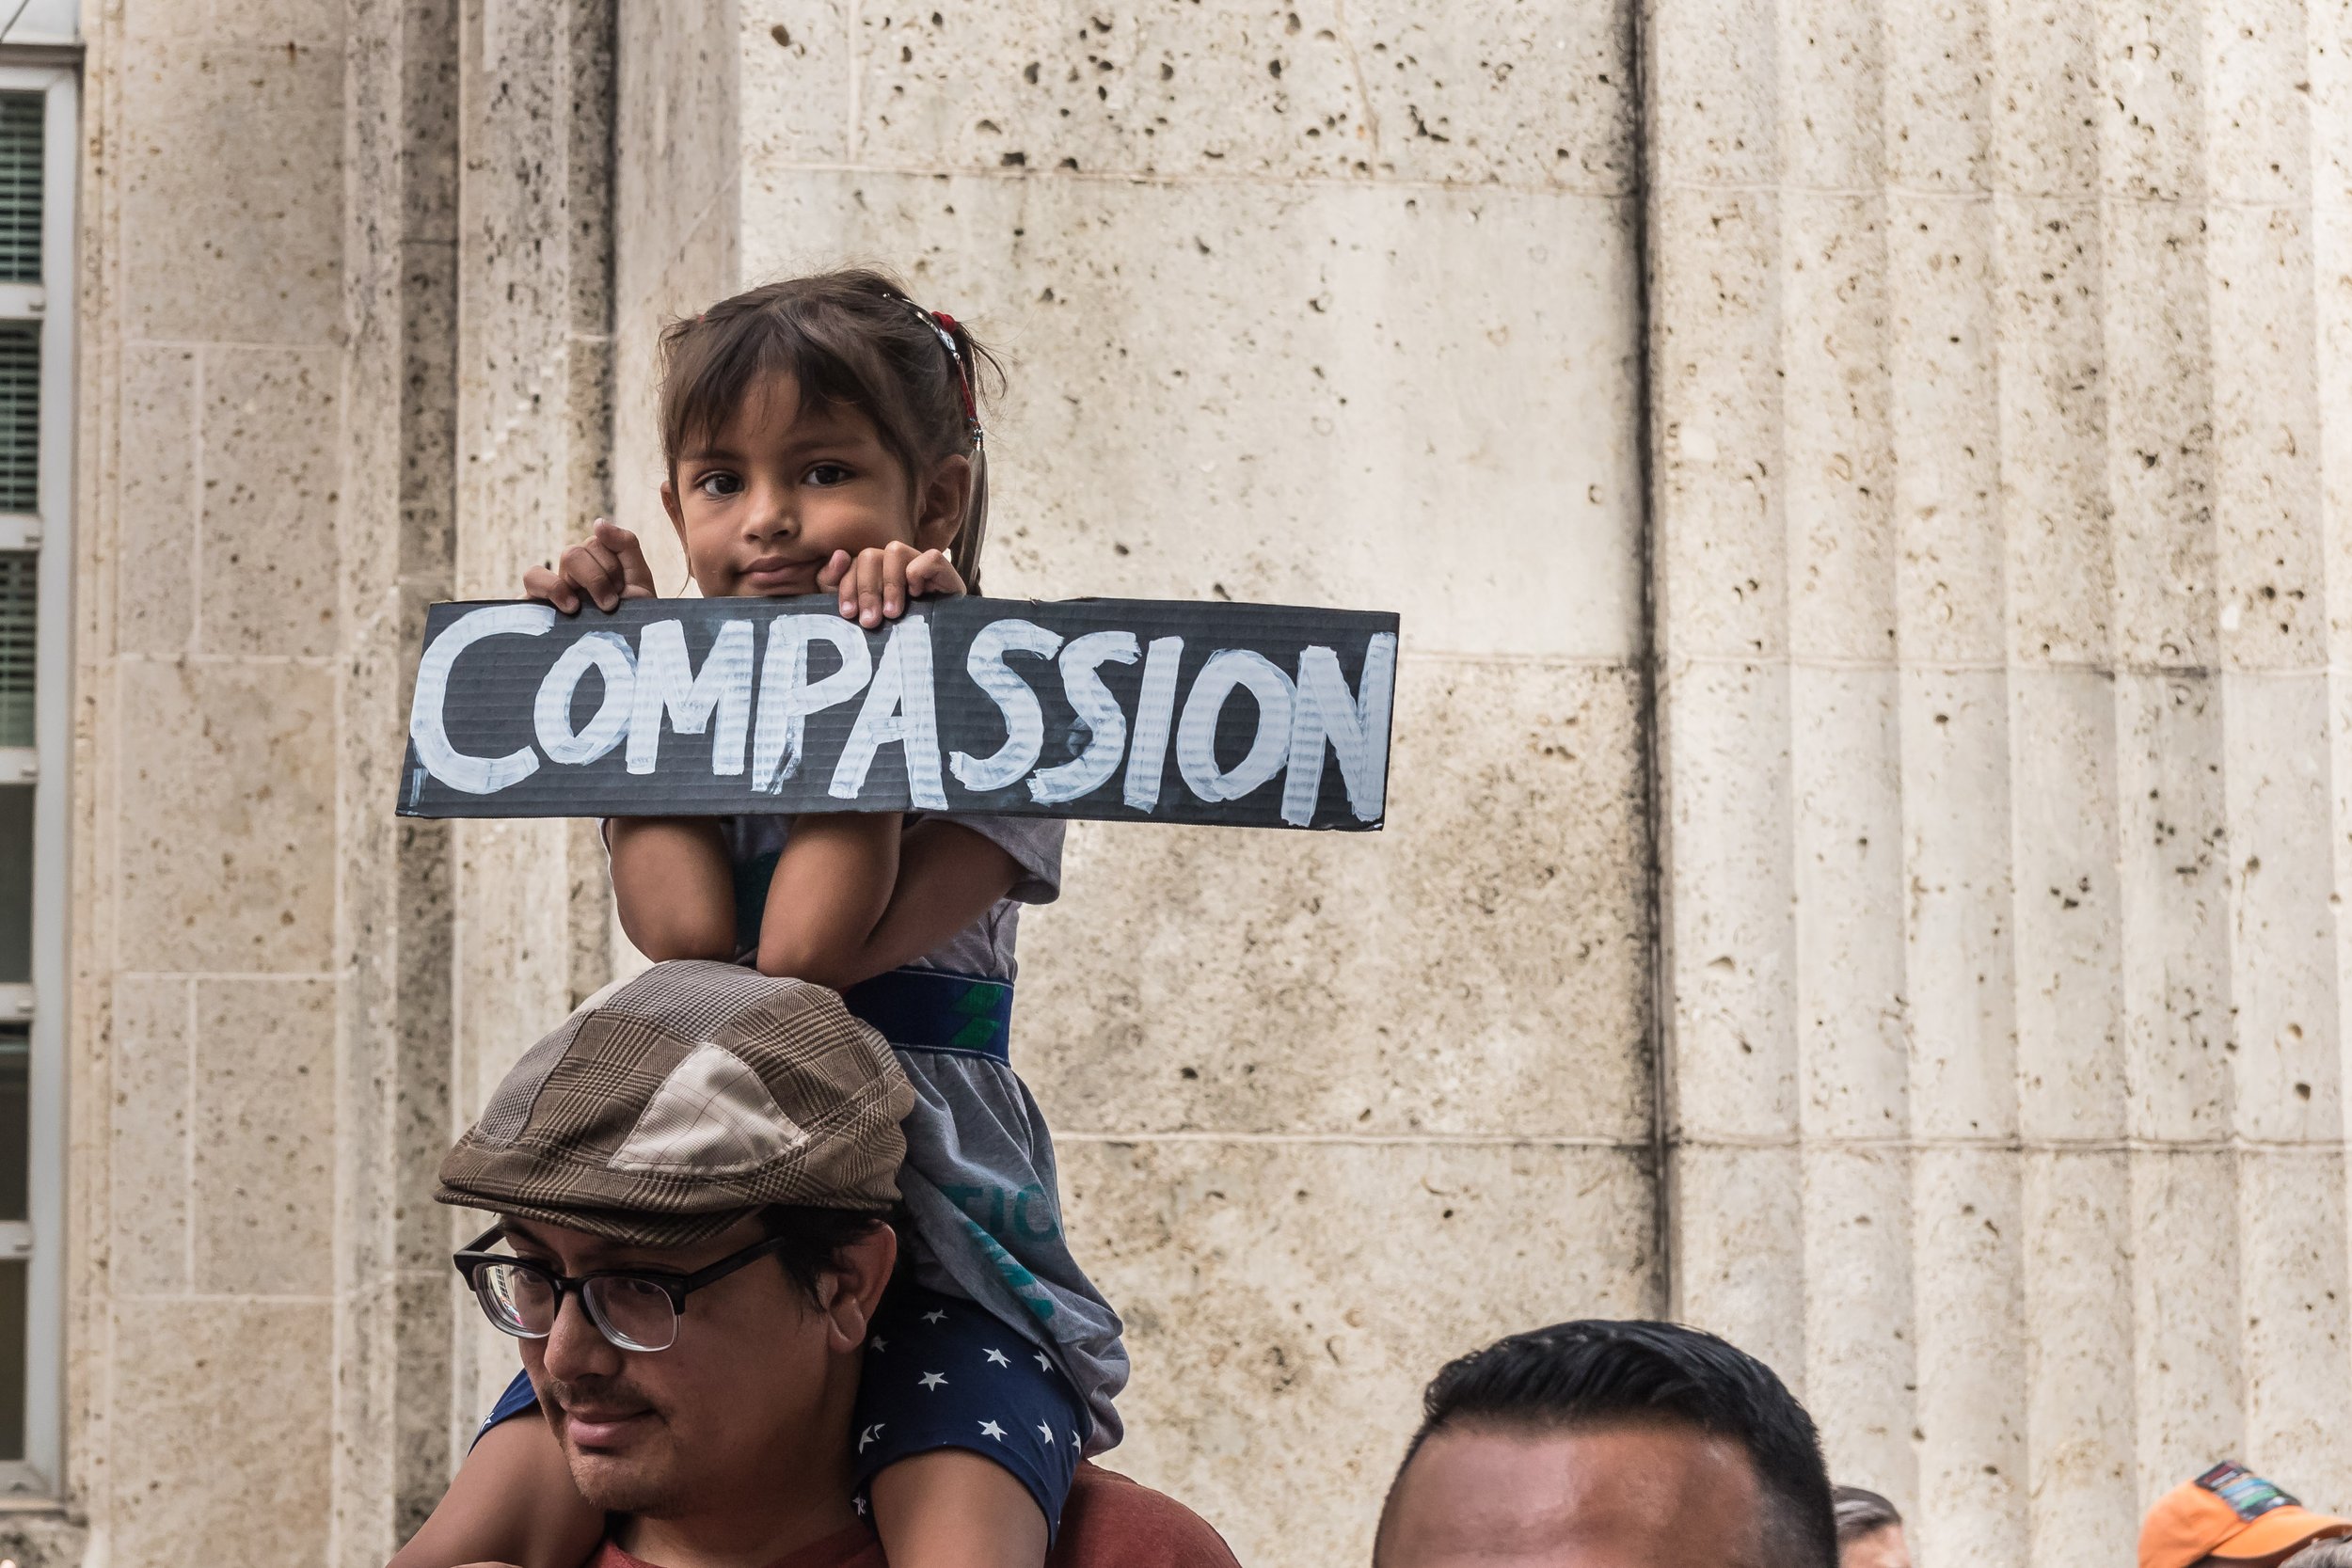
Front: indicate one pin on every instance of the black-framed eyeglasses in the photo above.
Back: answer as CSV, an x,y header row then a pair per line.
x,y
633,1309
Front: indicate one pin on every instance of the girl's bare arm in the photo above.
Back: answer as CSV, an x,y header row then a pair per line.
x,y
672,887
513,1502
861,898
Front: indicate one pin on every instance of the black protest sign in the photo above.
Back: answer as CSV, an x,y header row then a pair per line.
x,y
1122,709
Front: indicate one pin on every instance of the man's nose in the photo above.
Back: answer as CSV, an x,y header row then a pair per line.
x,y
576,1348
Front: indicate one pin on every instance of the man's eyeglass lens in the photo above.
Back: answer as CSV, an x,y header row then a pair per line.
x,y
634,1314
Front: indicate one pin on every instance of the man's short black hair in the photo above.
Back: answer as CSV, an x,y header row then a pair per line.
x,y
817,1238
1597,1373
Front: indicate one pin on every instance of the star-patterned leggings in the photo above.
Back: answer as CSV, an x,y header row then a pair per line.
x,y
943,1373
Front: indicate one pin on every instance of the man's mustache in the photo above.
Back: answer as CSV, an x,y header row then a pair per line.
x,y
602,1394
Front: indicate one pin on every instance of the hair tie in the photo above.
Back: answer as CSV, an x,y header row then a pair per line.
x,y
942,327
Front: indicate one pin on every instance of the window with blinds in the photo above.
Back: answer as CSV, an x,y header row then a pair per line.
x,y
37,105
19,416
21,115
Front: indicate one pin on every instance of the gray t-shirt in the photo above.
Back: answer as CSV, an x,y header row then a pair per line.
x,y
983,948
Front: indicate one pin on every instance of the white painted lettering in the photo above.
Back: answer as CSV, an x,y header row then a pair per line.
x,y
1354,724
428,727
788,696
1024,725
667,683
607,653
898,708
1155,712
1097,709
1196,734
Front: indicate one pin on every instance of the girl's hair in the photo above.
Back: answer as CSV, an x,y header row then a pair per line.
x,y
852,338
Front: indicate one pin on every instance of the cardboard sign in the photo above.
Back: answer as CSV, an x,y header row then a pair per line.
x,y
1122,709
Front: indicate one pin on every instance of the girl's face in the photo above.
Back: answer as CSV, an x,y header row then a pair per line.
x,y
762,503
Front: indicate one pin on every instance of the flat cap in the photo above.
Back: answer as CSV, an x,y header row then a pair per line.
x,y
665,1111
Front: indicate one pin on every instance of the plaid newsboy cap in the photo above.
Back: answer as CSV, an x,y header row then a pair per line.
x,y
666,1110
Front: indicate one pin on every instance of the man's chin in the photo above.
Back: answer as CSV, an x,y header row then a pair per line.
x,y
622,1473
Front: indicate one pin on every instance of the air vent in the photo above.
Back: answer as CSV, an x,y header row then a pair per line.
x,y
19,187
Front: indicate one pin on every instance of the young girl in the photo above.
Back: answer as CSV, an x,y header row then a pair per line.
x,y
822,434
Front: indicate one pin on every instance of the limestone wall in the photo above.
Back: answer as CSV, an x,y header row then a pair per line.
x,y
1331,305
1865,520
2000,566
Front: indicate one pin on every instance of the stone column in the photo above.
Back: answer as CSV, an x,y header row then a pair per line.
x,y
2001,607
346,325
398,530
534,268
211,640
1330,304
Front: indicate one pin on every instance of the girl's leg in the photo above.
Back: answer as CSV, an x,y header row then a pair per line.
x,y
513,1501
952,1508
967,1437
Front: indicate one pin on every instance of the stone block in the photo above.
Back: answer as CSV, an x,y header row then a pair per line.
x,y
2069,924
2257,118
2188,1311
230,171
2328,132
2151,122
1939,99
2174,832
2286,1065
2080,1396
2269,500
267,563
220,1417
2161,488
2054,468
1944,405
1721,546
1730,885
259,24
1477,967
1536,97
1833,93
1456,364
1739,1257
147,1158
2294,1295
1846,785
1861,1373
798,79
1839,463
264,1118
1959,914
1713,71
1286,1301
2046,64
677,137
157,502
227,819
1972,1432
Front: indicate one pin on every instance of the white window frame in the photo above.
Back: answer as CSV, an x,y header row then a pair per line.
x,y
38,1479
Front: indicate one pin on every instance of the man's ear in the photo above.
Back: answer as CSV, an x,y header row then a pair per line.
x,y
947,496
677,518
849,1292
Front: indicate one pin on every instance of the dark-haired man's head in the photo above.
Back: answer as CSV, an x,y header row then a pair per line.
x,y
1610,1445
693,1175
1870,1531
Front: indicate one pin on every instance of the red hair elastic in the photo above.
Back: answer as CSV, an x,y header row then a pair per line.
x,y
941,323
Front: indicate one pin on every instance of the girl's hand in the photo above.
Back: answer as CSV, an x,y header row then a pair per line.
x,y
874,585
607,567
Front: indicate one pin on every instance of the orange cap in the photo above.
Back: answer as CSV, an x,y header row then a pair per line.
x,y
2228,1512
